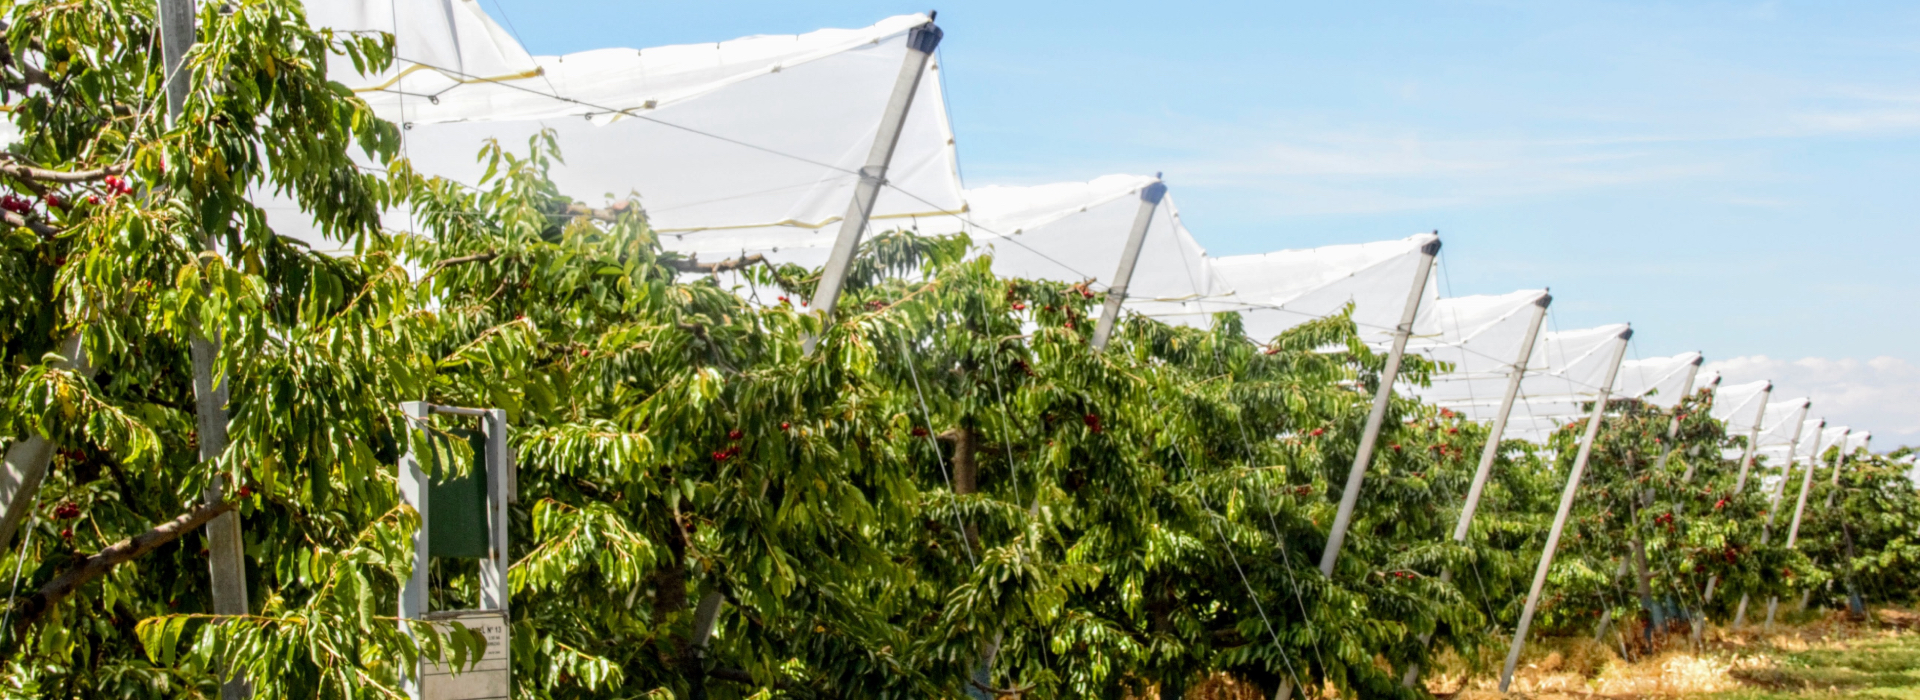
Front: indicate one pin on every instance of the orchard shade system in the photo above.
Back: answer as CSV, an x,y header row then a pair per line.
x,y
754,144
792,147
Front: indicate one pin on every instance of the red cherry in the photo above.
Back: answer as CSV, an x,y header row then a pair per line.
x,y
784,425
66,511
1396,448
1019,307
919,431
93,200
1453,431
66,534
1093,423
583,352
1317,432
733,434
784,300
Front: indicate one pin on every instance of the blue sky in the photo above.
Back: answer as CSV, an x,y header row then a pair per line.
x,y
1739,178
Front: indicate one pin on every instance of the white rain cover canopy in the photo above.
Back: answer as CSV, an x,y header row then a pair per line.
x,y
1858,441
1077,231
745,145
1661,381
1277,291
438,46
1834,437
1481,337
1812,439
1773,456
1564,373
1777,428
1739,405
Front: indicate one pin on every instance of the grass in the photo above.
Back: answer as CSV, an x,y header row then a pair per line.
x,y
1886,667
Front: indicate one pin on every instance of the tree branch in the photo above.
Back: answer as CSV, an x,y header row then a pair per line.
x,y
462,260
32,608
18,221
694,264
28,172
610,214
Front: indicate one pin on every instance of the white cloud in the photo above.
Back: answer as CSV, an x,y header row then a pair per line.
x,y
1881,395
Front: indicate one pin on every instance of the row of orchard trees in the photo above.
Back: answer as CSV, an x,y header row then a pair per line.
x,y
952,493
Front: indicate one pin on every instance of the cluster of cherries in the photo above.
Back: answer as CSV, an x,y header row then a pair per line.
x,y
1402,574
732,450
1093,423
16,204
66,511
1303,490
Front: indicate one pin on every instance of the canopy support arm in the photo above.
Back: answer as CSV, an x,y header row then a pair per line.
x,y
1356,476
1566,508
1488,453
921,42
1773,508
1362,458
1150,197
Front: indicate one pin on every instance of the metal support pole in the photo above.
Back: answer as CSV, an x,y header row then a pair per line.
x,y
1753,441
226,562
1673,428
413,493
1773,509
27,460
1799,508
1489,452
1746,465
1150,197
1838,463
1566,507
1714,388
494,594
921,42
1357,475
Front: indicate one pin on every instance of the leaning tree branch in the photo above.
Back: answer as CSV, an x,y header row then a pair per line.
x,y
32,608
28,172
694,264
18,221
610,214
462,260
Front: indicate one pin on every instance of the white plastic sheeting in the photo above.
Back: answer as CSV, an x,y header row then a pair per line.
x,y
1277,291
1076,231
750,144
1739,405
1812,439
1782,417
1480,336
1835,436
1661,381
438,46
1859,441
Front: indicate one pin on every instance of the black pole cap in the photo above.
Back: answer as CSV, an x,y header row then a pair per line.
x,y
1152,194
1544,301
925,38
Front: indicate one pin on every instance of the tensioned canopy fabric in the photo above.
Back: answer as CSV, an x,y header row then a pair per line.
x,y
1739,405
438,46
1777,427
1858,441
1277,291
1834,436
749,144
1077,231
1660,381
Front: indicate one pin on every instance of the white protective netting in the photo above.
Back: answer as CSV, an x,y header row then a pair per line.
x,y
1277,291
1834,436
438,46
1859,441
1778,427
1077,231
1660,381
749,144
1739,406
1564,374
